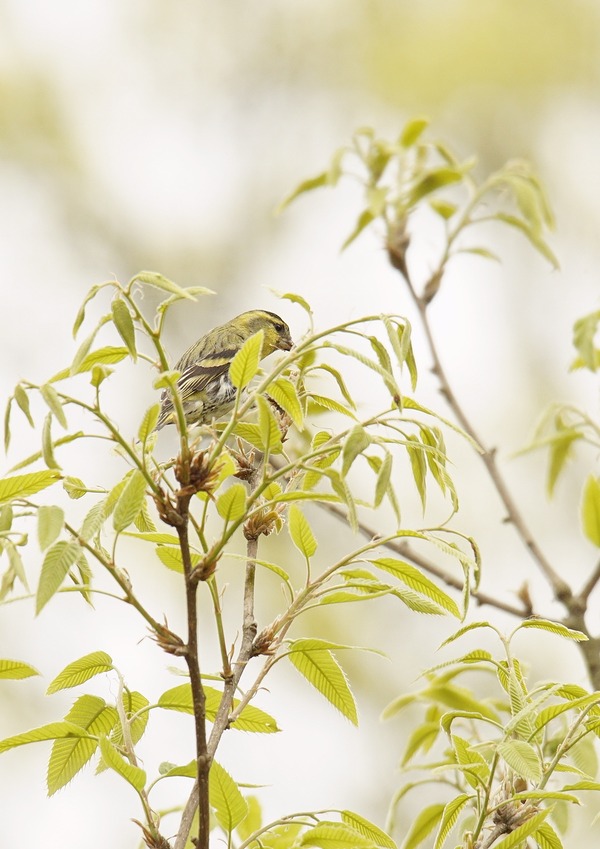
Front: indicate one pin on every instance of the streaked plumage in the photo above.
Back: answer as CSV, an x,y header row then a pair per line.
x,y
206,389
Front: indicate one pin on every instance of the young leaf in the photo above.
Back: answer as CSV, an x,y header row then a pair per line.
x,y
412,131
225,798
103,356
148,422
305,186
422,826
590,509
124,323
416,580
330,404
368,829
130,501
553,628
81,670
547,838
244,365
383,478
47,445
112,758
231,505
22,486
322,670
283,392
50,396
301,533
153,278
16,670
51,521
357,441
22,399
335,835
522,832
52,731
57,562
69,756
522,757
270,432
94,519
449,818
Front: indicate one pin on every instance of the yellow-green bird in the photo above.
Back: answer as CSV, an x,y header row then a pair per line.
x,y
205,387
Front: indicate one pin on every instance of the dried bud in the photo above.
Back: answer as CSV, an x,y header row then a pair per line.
x,y
432,286
264,522
263,642
168,641
397,246
203,476
153,839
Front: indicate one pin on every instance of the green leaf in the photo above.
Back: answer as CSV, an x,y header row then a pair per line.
x,y
158,538
22,399
111,757
364,219
412,131
357,441
531,234
231,505
300,532
81,670
330,404
50,396
93,521
584,332
283,392
449,817
158,281
69,756
7,425
81,314
124,323
22,486
422,826
368,829
547,838
16,670
130,501
416,580
225,798
321,669
251,719
590,509
433,180
103,356
47,445
305,186
522,832
57,562
553,628
244,365
383,478
148,422
340,382
74,487
444,209
335,835
522,757
464,630
51,521
52,731
270,432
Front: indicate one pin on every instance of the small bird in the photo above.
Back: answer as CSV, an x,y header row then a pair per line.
x,y
205,387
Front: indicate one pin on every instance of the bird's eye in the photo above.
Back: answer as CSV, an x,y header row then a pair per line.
x,y
278,327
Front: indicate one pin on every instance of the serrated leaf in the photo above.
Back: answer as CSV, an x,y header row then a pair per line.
x,y
270,432
422,826
547,838
52,731
50,396
231,505
103,356
300,532
330,404
69,756
47,445
336,835
522,832
93,521
57,562
416,580
22,486
531,234
449,817
16,670
51,521
244,365
81,670
321,669
113,759
148,422
225,798
251,719
368,829
553,628
124,323
283,392
74,487
464,630
158,538
590,509
522,757
130,501
383,478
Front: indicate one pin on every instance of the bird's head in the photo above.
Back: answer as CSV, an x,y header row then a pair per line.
x,y
276,332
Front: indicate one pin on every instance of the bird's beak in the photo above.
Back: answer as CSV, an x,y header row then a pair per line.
x,y
285,344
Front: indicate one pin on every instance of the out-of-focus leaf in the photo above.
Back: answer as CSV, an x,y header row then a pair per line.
x,y
590,509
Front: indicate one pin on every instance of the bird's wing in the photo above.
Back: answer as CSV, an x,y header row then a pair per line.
x,y
197,376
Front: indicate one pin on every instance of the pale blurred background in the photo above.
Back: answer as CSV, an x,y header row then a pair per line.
x,y
162,136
